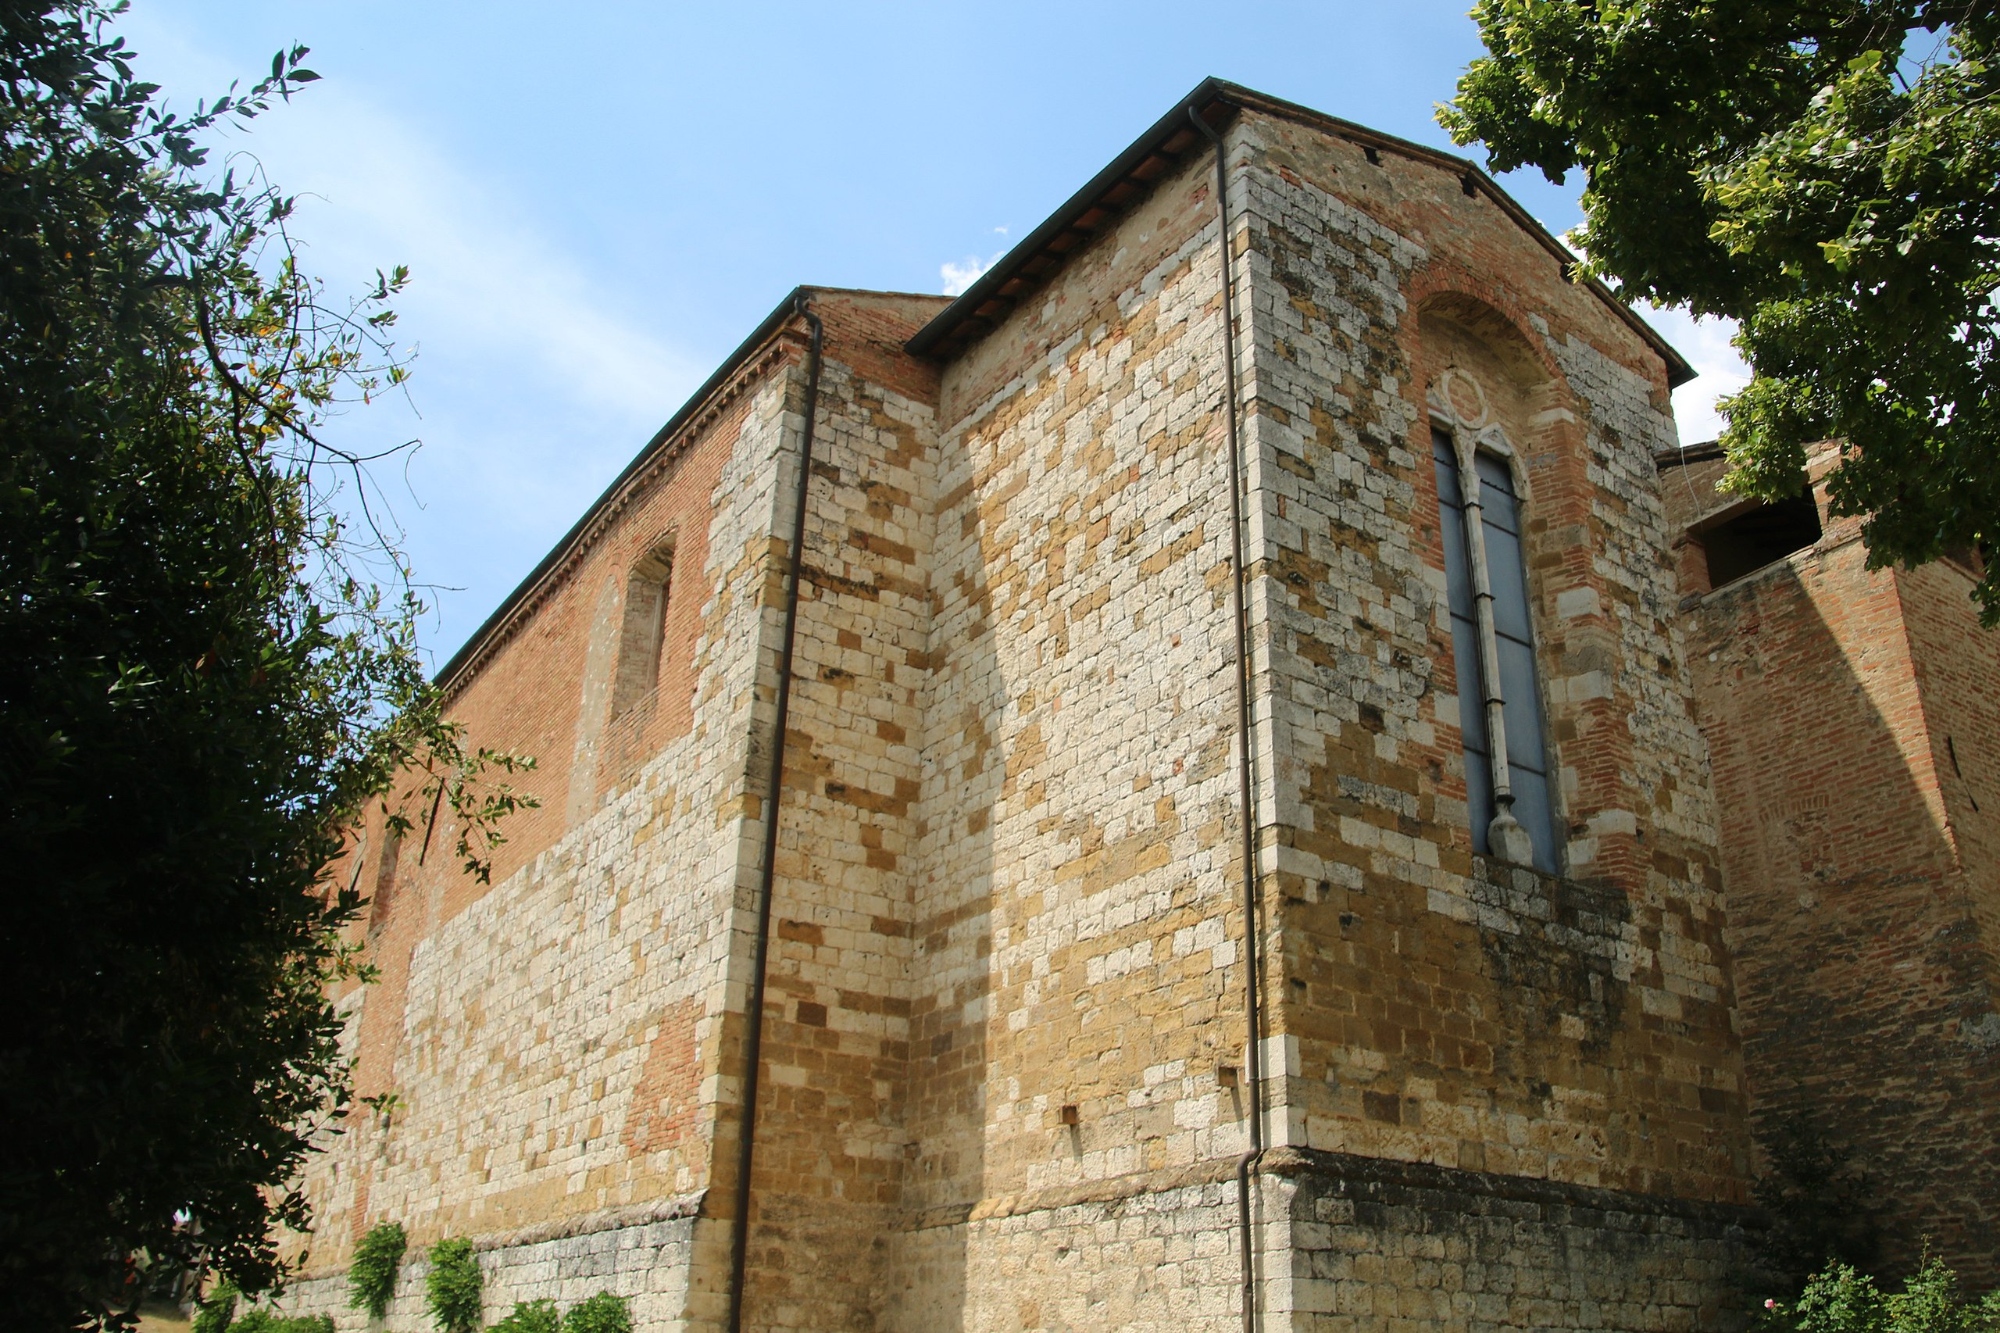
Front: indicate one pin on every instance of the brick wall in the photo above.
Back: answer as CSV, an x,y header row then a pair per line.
x,y
1861,880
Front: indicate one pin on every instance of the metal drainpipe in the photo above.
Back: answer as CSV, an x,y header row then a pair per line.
x,y
739,1230
1247,1164
1502,830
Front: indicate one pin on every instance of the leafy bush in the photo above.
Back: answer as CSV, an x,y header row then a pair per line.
x,y
256,1320
602,1313
452,1287
530,1317
1844,1300
371,1279
213,1315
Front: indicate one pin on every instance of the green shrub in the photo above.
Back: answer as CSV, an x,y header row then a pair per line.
x,y
602,1313
530,1317
371,1279
1843,1300
451,1288
213,1315
256,1320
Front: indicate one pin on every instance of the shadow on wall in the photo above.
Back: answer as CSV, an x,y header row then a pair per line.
x,y
1858,959
951,911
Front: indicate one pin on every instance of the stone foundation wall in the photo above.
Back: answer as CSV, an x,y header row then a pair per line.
x,y
643,1255
1164,1257
1381,1246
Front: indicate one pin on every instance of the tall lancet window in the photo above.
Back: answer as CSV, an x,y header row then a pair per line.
x,y
1499,695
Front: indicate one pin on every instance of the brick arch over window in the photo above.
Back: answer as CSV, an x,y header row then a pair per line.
x,y
647,588
1493,402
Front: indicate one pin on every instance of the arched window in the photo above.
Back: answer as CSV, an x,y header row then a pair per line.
x,y
640,635
1499,692
384,896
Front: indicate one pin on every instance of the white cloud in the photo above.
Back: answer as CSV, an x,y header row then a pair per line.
x,y
537,379
1705,343
1720,369
959,276
480,268
375,193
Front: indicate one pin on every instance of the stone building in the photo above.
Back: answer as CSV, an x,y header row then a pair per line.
x,y
1006,1078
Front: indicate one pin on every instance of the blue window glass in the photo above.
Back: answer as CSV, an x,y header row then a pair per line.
x,y
1507,573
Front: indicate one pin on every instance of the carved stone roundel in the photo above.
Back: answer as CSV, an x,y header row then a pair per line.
x,y
1465,399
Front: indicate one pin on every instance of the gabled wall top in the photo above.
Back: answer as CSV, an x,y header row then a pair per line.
x,y
1154,154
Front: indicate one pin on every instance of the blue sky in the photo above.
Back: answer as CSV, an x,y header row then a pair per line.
x,y
598,201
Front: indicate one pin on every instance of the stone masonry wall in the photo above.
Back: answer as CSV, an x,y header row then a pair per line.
x,y
1441,1008
1004,1030
552,1041
1076,935
830,1146
1082,939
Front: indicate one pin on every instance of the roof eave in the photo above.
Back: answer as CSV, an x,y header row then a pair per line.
x,y
979,301
768,328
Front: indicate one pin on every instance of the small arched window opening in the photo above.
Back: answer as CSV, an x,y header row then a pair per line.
x,y
643,630
380,901
1507,785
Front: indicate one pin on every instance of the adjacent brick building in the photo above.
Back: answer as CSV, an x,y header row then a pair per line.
x,y
1853,722
1005,1072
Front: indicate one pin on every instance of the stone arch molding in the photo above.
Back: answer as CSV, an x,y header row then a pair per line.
x,y
1486,381
1487,387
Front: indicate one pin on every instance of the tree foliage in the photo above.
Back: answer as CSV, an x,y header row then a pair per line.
x,y
530,1317
1827,173
214,1312
606,1312
205,675
264,1321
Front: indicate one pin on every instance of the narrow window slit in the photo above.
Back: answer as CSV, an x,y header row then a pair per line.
x,y
643,631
